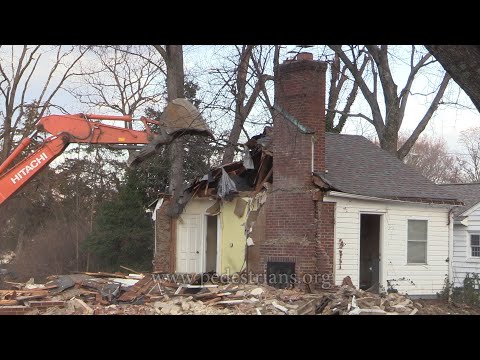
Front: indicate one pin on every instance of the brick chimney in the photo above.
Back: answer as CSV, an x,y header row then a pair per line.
x,y
300,91
298,149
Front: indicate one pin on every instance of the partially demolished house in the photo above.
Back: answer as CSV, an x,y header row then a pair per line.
x,y
315,206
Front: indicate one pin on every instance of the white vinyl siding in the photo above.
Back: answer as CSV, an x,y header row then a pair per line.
x,y
463,261
414,279
475,245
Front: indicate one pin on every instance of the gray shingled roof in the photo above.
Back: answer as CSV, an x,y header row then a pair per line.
x,y
468,193
357,166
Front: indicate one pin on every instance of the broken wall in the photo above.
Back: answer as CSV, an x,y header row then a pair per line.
x,y
233,237
163,236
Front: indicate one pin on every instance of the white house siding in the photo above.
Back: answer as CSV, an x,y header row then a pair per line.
x,y
418,279
462,262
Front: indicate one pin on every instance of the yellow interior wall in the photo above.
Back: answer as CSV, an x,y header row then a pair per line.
x,y
232,237
232,232
198,206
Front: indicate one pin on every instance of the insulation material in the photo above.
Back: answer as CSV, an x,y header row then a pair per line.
x,y
247,159
214,209
157,207
240,207
226,186
252,217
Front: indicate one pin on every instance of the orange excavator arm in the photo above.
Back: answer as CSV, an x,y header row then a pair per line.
x,y
65,129
179,118
26,169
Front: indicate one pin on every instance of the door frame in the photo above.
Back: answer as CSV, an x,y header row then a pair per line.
x,y
381,246
202,242
219,243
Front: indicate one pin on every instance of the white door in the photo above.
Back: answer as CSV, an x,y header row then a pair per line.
x,y
190,244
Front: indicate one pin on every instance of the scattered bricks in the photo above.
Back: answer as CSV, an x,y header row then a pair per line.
x,y
15,310
46,304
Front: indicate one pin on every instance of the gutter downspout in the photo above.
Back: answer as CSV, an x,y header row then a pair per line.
x,y
450,247
155,241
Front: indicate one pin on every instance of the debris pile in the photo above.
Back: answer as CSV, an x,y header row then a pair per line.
x,y
152,294
350,301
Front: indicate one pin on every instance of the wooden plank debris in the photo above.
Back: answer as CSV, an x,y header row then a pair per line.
x,y
8,302
231,302
101,274
131,270
87,309
280,307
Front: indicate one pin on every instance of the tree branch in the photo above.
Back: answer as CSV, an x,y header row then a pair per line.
x,y
369,96
404,150
371,121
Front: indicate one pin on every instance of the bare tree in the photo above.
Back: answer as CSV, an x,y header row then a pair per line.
x,y
338,78
387,123
245,87
469,142
173,57
234,87
18,66
120,78
431,157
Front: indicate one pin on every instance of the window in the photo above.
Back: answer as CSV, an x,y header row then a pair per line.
x,y
417,242
475,245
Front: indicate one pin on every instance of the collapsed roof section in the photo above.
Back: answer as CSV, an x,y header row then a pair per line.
x,y
238,178
354,165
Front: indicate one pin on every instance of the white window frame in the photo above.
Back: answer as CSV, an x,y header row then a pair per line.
x,y
469,251
408,240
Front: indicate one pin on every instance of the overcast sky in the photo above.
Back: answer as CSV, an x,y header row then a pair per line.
x,y
447,122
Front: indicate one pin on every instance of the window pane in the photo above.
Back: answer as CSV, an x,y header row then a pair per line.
x,y
475,250
475,240
417,229
417,252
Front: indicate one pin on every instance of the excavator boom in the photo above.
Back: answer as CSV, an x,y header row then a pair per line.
x,y
26,169
180,117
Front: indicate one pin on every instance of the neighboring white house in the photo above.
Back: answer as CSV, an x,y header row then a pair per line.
x,y
401,245
466,231
392,226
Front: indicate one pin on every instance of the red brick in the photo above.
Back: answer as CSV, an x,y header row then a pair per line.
x,y
162,261
299,225
46,304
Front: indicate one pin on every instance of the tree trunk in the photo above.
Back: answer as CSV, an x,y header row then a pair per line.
x,y
175,89
462,63
389,140
390,132
240,96
7,139
229,153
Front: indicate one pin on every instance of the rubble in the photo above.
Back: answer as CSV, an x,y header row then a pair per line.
x,y
151,294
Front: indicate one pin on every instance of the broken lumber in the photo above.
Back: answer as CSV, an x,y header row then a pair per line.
x,y
213,301
8,302
280,307
31,297
133,271
309,308
88,309
140,288
25,292
231,302
101,274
